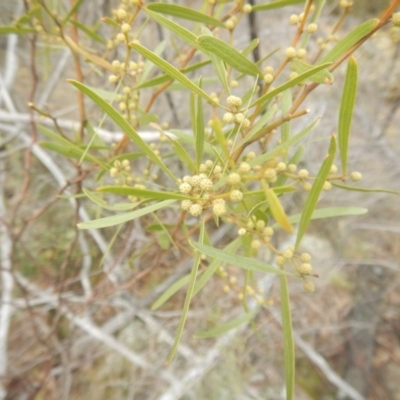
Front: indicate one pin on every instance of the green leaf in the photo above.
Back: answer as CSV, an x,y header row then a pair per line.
x,y
288,342
286,106
103,204
323,76
228,54
145,193
174,288
122,218
178,29
228,326
248,264
315,191
277,210
183,155
350,40
185,13
365,190
189,294
328,212
282,147
171,70
346,110
159,80
292,82
72,11
276,4
199,130
124,125
7,30
214,265
89,32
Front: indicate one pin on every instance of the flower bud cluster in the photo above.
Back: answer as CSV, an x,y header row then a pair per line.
x,y
235,115
120,171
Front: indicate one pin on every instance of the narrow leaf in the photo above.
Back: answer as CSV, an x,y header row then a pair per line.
x,y
277,210
276,4
346,110
124,125
292,82
172,26
89,32
323,76
170,70
174,288
7,30
228,54
350,40
228,326
185,13
365,190
189,295
315,191
122,218
144,193
288,342
248,264
103,204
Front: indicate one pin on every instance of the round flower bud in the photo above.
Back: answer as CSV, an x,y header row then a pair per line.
x,y
226,289
396,19
186,204
333,169
244,167
239,118
202,168
294,19
309,286
268,231
305,257
234,178
327,186
113,172
209,164
250,225
120,37
268,69
280,167
251,155
268,78
121,14
301,53
356,176
219,208
229,24
260,225
242,231
312,28
303,174
246,123
287,254
280,261
255,244
270,175
186,179
305,269
290,52
292,168
233,84
203,176
125,28
234,102
195,180
126,90
206,184
185,188
247,8
195,210
236,196
307,186
228,117
112,78
116,65
217,169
